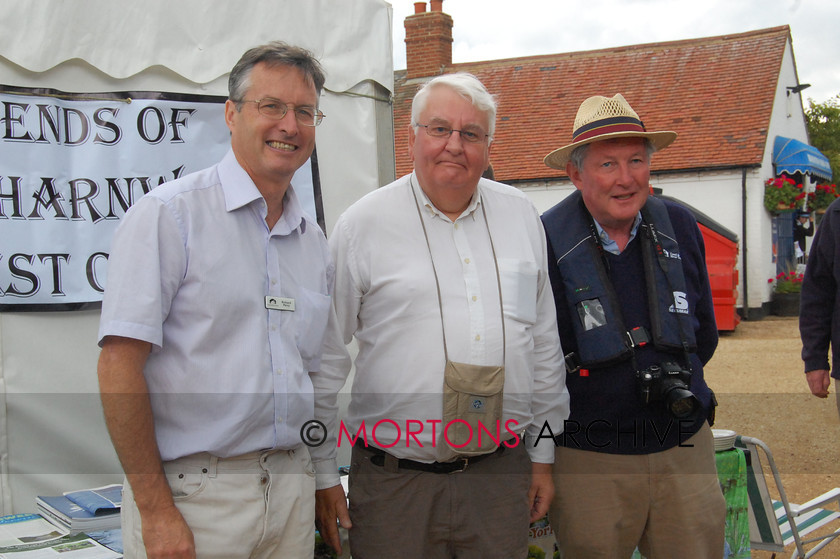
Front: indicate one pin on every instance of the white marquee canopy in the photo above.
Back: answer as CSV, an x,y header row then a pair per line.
x,y
52,436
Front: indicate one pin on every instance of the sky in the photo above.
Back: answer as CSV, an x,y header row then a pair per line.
x,y
494,29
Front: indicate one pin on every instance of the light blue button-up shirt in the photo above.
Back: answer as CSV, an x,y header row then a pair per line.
x,y
191,268
608,243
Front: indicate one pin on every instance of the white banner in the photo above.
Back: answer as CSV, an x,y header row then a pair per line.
x,y
70,167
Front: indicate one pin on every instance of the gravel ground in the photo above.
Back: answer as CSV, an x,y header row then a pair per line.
x,y
757,375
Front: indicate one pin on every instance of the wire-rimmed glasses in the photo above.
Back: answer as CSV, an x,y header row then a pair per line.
x,y
471,134
277,109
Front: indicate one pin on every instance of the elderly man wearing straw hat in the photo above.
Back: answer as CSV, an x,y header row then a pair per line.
x,y
635,465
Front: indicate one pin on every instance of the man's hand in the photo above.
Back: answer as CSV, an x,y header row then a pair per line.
x,y
167,536
331,504
819,382
542,490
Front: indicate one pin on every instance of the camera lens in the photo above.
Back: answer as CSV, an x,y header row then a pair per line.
x,y
681,403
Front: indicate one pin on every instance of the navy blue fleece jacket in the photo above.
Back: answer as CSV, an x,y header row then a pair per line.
x,y
819,306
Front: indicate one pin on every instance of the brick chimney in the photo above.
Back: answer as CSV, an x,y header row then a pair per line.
x,y
428,40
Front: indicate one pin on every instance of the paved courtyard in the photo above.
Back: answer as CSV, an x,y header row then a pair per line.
x,y
757,374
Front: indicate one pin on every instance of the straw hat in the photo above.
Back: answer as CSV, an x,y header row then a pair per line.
x,y
605,118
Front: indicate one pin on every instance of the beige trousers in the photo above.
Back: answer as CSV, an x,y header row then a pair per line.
x,y
668,503
255,506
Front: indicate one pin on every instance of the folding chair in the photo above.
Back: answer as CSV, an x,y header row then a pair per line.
x,y
771,528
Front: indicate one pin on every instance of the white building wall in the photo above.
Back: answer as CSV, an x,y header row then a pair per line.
x,y
787,119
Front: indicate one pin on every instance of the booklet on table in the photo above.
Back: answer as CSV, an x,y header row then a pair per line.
x,y
85,510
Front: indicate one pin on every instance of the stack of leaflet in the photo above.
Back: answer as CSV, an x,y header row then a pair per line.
x,y
85,510
30,536
18,530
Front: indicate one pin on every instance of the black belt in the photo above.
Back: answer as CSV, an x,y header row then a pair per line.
x,y
459,465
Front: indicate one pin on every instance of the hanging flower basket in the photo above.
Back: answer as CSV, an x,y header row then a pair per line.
x,y
822,197
782,194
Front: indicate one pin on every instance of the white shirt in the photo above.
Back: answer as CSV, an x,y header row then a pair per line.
x,y
386,297
190,268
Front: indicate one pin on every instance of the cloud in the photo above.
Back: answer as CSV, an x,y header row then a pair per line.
x,y
494,29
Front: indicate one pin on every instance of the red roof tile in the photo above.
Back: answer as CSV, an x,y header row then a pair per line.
x,y
717,93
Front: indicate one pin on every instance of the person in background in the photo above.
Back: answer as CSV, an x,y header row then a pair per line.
x,y
441,278
215,310
635,466
803,227
819,306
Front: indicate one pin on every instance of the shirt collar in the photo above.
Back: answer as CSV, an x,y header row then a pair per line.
x,y
240,191
432,210
608,243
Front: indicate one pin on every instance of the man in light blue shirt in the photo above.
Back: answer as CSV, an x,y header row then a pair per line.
x,y
216,307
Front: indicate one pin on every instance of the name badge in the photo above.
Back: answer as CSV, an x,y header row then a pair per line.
x,y
279,303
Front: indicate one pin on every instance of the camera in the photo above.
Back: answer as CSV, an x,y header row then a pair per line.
x,y
669,383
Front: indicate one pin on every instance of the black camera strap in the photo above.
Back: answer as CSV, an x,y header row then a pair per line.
x,y
653,254
653,251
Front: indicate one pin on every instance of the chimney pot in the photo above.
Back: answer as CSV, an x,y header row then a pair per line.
x,y
428,41
419,7
437,6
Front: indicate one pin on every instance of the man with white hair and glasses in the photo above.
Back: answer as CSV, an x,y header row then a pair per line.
x,y
441,278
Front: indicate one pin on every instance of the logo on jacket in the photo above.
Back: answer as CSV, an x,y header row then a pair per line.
x,y
680,305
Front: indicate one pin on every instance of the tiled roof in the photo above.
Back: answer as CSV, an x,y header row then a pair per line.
x,y
717,93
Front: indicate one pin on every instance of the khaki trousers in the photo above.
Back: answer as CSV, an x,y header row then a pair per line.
x,y
668,503
255,506
480,513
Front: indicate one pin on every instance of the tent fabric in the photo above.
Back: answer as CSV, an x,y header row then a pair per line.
x,y
792,156
196,39
52,434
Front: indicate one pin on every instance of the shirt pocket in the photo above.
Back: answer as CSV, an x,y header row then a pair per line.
x,y
519,288
312,311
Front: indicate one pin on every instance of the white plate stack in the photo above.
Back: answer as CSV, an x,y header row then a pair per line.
x,y
724,439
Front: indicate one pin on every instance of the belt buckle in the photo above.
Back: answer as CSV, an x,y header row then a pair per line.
x,y
464,463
